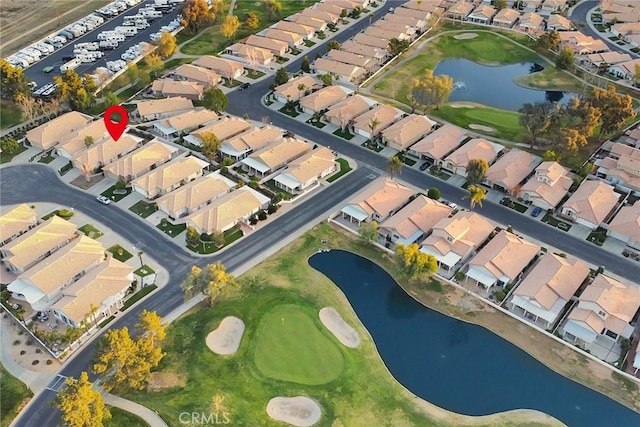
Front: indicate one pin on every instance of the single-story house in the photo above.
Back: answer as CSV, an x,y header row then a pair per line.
x,y
477,148
604,311
621,167
292,40
307,170
224,129
319,25
377,202
482,14
169,176
252,140
250,55
590,205
559,23
200,75
16,222
552,6
162,108
386,34
625,70
173,88
293,27
277,47
384,114
608,58
548,186
364,62
323,99
531,22
32,247
402,134
439,143
343,113
531,5
460,10
378,42
101,154
413,221
625,226
502,260
339,70
407,30
378,54
48,134
224,212
275,156
510,170
73,143
623,30
196,194
581,44
290,90
330,7
424,15
224,67
175,126
138,162
328,17
506,18
545,291
419,24
454,239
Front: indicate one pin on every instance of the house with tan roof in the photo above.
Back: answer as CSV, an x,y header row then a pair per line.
x,y
531,5
402,134
581,44
559,23
74,143
224,67
405,29
195,195
506,18
413,221
531,22
97,295
459,10
625,226
277,47
252,140
625,70
290,92
275,156
385,34
349,5
169,176
162,108
385,115
292,40
378,42
16,222
418,24
377,202
173,88
105,152
48,134
608,58
621,167
482,14
250,55
41,284
552,6
477,148
343,113
225,128
200,75
604,313
181,124
364,62
502,260
319,25
590,205
455,238
140,161
376,53
625,29
307,170
544,293
224,212
323,99
548,186
33,246
329,7
328,17
508,172
293,27
339,70
424,15
423,4
439,143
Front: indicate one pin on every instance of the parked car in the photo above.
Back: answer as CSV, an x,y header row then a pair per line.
x,y
424,166
245,86
536,212
104,200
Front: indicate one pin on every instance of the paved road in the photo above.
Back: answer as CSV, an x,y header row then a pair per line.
x,y
33,183
34,72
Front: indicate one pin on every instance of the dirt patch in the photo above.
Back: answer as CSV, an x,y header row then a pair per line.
x,y
465,36
334,322
25,351
299,411
82,182
165,380
483,128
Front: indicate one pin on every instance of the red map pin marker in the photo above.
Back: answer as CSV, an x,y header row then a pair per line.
x,y
116,129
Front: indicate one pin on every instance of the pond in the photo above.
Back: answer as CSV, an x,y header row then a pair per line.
x,y
495,86
456,365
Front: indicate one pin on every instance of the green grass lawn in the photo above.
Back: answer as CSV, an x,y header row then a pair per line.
x,y
7,157
254,74
10,114
345,134
120,418
291,347
121,194
506,123
138,296
143,209
144,271
48,158
344,169
14,396
91,231
206,248
171,229
120,253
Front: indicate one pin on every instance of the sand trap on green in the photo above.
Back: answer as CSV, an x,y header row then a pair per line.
x,y
291,347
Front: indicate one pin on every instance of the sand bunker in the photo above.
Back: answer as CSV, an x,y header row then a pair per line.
x,y
298,411
226,338
481,127
465,36
332,320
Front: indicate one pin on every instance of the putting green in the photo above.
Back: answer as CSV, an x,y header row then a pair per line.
x,y
290,347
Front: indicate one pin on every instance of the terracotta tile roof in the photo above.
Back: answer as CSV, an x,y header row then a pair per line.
x,y
323,65
461,8
592,201
347,109
105,152
483,11
427,5
421,214
285,36
385,114
221,66
195,193
141,159
404,20
290,88
323,15
254,139
311,164
277,46
378,42
17,220
582,43
553,191
505,255
251,53
201,75
460,234
74,142
440,142
385,34
531,20
418,14
169,174
350,58
329,7
610,58
225,128
163,106
309,21
383,196
47,135
282,152
324,98
364,50
38,241
627,222
553,278
294,27
477,148
408,130
506,16
173,88
512,168
558,21
189,120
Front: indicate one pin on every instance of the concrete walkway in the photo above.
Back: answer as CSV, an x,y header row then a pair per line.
x,y
151,417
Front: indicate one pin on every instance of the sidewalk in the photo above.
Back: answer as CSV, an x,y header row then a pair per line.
x,y
151,417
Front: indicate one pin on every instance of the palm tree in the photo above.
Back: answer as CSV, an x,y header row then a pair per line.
x,y
301,88
373,125
394,166
476,195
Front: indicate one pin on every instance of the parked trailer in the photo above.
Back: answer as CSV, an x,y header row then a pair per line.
x,y
87,46
71,65
127,31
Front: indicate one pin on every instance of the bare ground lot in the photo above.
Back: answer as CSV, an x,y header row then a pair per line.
x,y
23,22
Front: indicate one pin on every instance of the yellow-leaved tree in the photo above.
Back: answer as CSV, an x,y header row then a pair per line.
x,y
80,404
230,26
416,265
